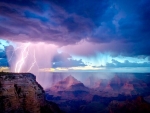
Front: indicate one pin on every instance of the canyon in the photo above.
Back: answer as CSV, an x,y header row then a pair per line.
x,y
116,95
21,93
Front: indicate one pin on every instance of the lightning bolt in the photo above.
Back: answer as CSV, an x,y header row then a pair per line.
x,y
24,55
33,62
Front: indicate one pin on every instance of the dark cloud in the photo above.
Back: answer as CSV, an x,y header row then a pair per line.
x,y
65,60
2,54
92,10
68,63
7,54
3,58
126,63
3,62
69,21
61,56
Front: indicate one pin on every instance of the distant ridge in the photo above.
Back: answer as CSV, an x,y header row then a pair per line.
x,y
66,84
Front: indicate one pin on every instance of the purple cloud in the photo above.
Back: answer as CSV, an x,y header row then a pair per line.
x,y
68,22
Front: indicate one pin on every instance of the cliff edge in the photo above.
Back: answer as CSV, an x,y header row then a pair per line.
x,y
20,93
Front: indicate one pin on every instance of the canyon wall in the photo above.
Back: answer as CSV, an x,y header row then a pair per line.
x,y
20,93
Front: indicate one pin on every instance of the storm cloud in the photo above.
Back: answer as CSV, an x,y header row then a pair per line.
x,y
67,22
65,60
3,58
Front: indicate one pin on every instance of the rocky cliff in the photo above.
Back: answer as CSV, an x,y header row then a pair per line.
x,y
20,93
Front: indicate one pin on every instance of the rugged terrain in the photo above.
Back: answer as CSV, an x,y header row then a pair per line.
x,y
118,85
70,87
116,95
20,93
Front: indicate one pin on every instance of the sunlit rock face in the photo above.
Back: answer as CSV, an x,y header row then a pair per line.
x,y
64,84
70,87
20,93
68,84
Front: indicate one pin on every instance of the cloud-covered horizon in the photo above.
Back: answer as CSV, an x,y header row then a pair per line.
x,y
84,31
65,60
127,63
62,60
103,22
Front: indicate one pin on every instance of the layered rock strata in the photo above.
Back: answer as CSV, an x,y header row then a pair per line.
x,y
20,93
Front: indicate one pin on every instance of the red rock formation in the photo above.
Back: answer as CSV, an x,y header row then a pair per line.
x,y
70,89
68,84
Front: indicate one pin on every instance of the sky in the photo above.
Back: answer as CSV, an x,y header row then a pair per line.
x,y
87,35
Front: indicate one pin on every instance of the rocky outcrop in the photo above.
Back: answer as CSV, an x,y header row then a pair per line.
x,y
20,93
135,106
68,84
120,85
70,89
